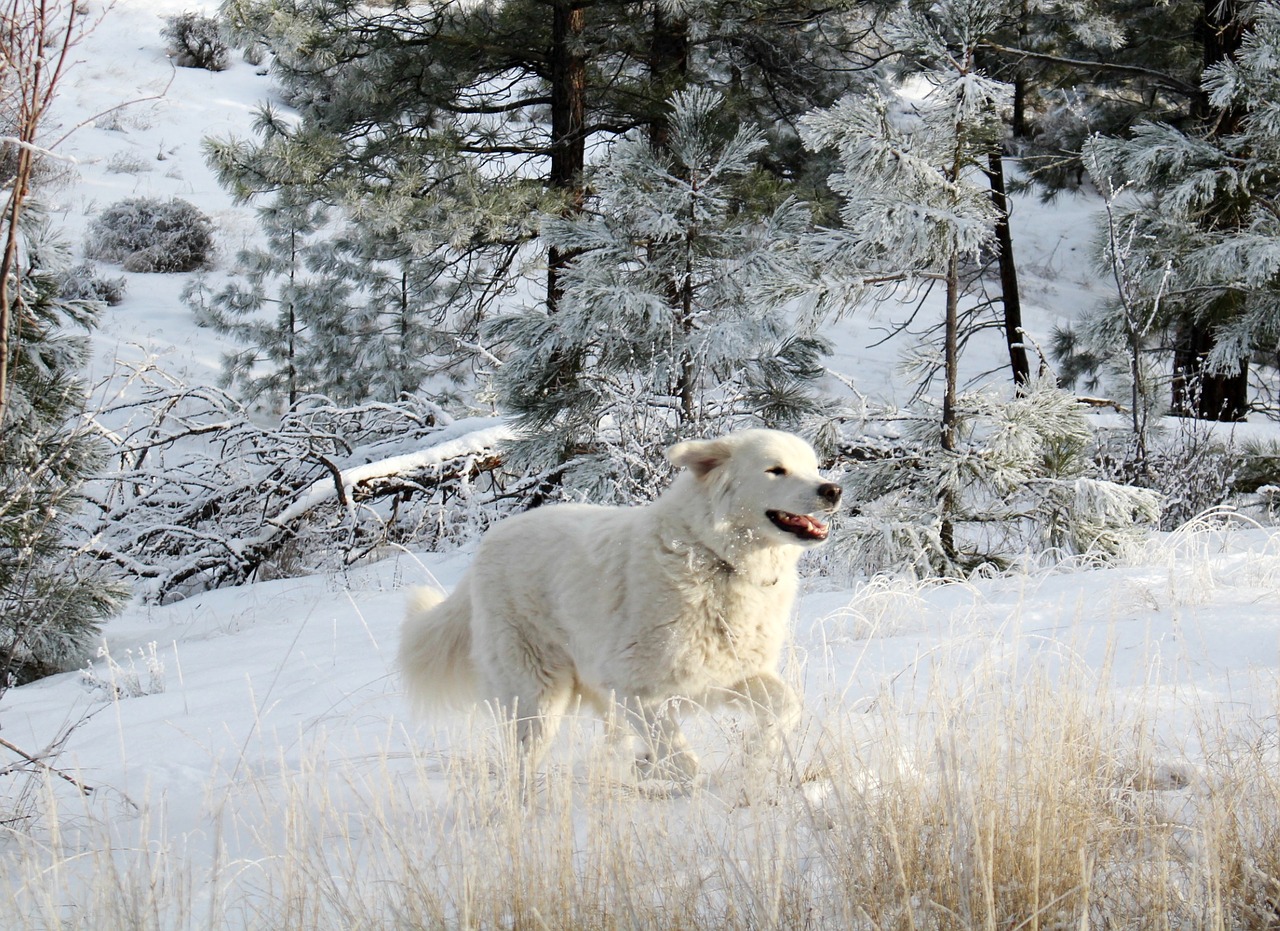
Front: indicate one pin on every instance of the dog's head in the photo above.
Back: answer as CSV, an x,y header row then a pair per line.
x,y
763,483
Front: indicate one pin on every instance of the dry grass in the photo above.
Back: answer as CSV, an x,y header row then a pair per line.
x,y
1045,810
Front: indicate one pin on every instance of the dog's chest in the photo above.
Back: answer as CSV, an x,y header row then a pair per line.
x,y
730,628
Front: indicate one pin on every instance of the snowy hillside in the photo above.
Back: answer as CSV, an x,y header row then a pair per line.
x,y
137,124
1060,745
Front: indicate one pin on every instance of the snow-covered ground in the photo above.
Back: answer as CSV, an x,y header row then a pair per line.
x,y
253,763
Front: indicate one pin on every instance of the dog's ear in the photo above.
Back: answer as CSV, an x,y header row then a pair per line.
x,y
701,457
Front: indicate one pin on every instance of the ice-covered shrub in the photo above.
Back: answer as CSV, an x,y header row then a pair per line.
x,y
127,163
151,235
1258,472
83,283
1020,481
196,41
1191,467
123,680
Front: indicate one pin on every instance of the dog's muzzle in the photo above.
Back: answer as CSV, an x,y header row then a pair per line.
x,y
806,527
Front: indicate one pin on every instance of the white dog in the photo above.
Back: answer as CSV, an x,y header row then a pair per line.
x,y
688,597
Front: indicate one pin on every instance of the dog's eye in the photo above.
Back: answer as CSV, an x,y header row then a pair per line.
x,y
777,470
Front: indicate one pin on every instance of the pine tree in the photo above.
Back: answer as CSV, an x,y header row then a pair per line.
x,y
398,313
37,43
297,325
913,208
469,119
1200,235
52,597
979,479
665,317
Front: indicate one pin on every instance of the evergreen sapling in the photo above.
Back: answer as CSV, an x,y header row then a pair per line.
x,y
1020,480
52,595
666,327
296,325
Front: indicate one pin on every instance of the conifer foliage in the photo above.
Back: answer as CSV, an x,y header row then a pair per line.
x,y
665,328
915,205
52,598
1201,236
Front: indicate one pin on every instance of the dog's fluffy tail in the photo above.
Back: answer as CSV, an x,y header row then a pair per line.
x,y
435,649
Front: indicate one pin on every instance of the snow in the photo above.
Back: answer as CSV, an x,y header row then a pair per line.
x,y
257,718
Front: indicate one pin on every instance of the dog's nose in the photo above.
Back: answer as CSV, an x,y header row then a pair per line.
x,y
830,492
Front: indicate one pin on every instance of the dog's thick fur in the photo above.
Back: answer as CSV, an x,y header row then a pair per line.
x,y
687,597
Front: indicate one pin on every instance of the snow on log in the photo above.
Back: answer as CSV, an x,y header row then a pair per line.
x,y
469,439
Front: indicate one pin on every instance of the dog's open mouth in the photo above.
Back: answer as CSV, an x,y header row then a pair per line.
x,y
804,526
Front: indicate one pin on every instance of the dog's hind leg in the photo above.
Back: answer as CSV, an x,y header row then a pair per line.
x,y
532,680
535,710
536,729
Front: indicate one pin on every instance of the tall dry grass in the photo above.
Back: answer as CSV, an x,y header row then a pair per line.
x,y
1036,812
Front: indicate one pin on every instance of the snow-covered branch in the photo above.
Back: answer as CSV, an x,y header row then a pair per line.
x,y
203,497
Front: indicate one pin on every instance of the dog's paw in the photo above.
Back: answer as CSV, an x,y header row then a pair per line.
x,y
668,788
680,767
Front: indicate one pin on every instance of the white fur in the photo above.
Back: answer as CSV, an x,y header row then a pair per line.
x,y
687,597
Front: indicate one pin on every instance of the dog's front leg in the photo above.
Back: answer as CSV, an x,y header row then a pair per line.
x,y
665,753
775,707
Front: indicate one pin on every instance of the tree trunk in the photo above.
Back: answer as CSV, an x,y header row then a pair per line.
x,y
568,124
1009,294
1019,80
568,68
951,354
10,284
668,72
291,318
668,69
1197,390
687,385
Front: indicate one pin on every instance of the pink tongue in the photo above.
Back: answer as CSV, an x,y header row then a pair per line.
x,y
807,525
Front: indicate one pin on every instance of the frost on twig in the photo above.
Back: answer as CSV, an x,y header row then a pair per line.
x,y
202,496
